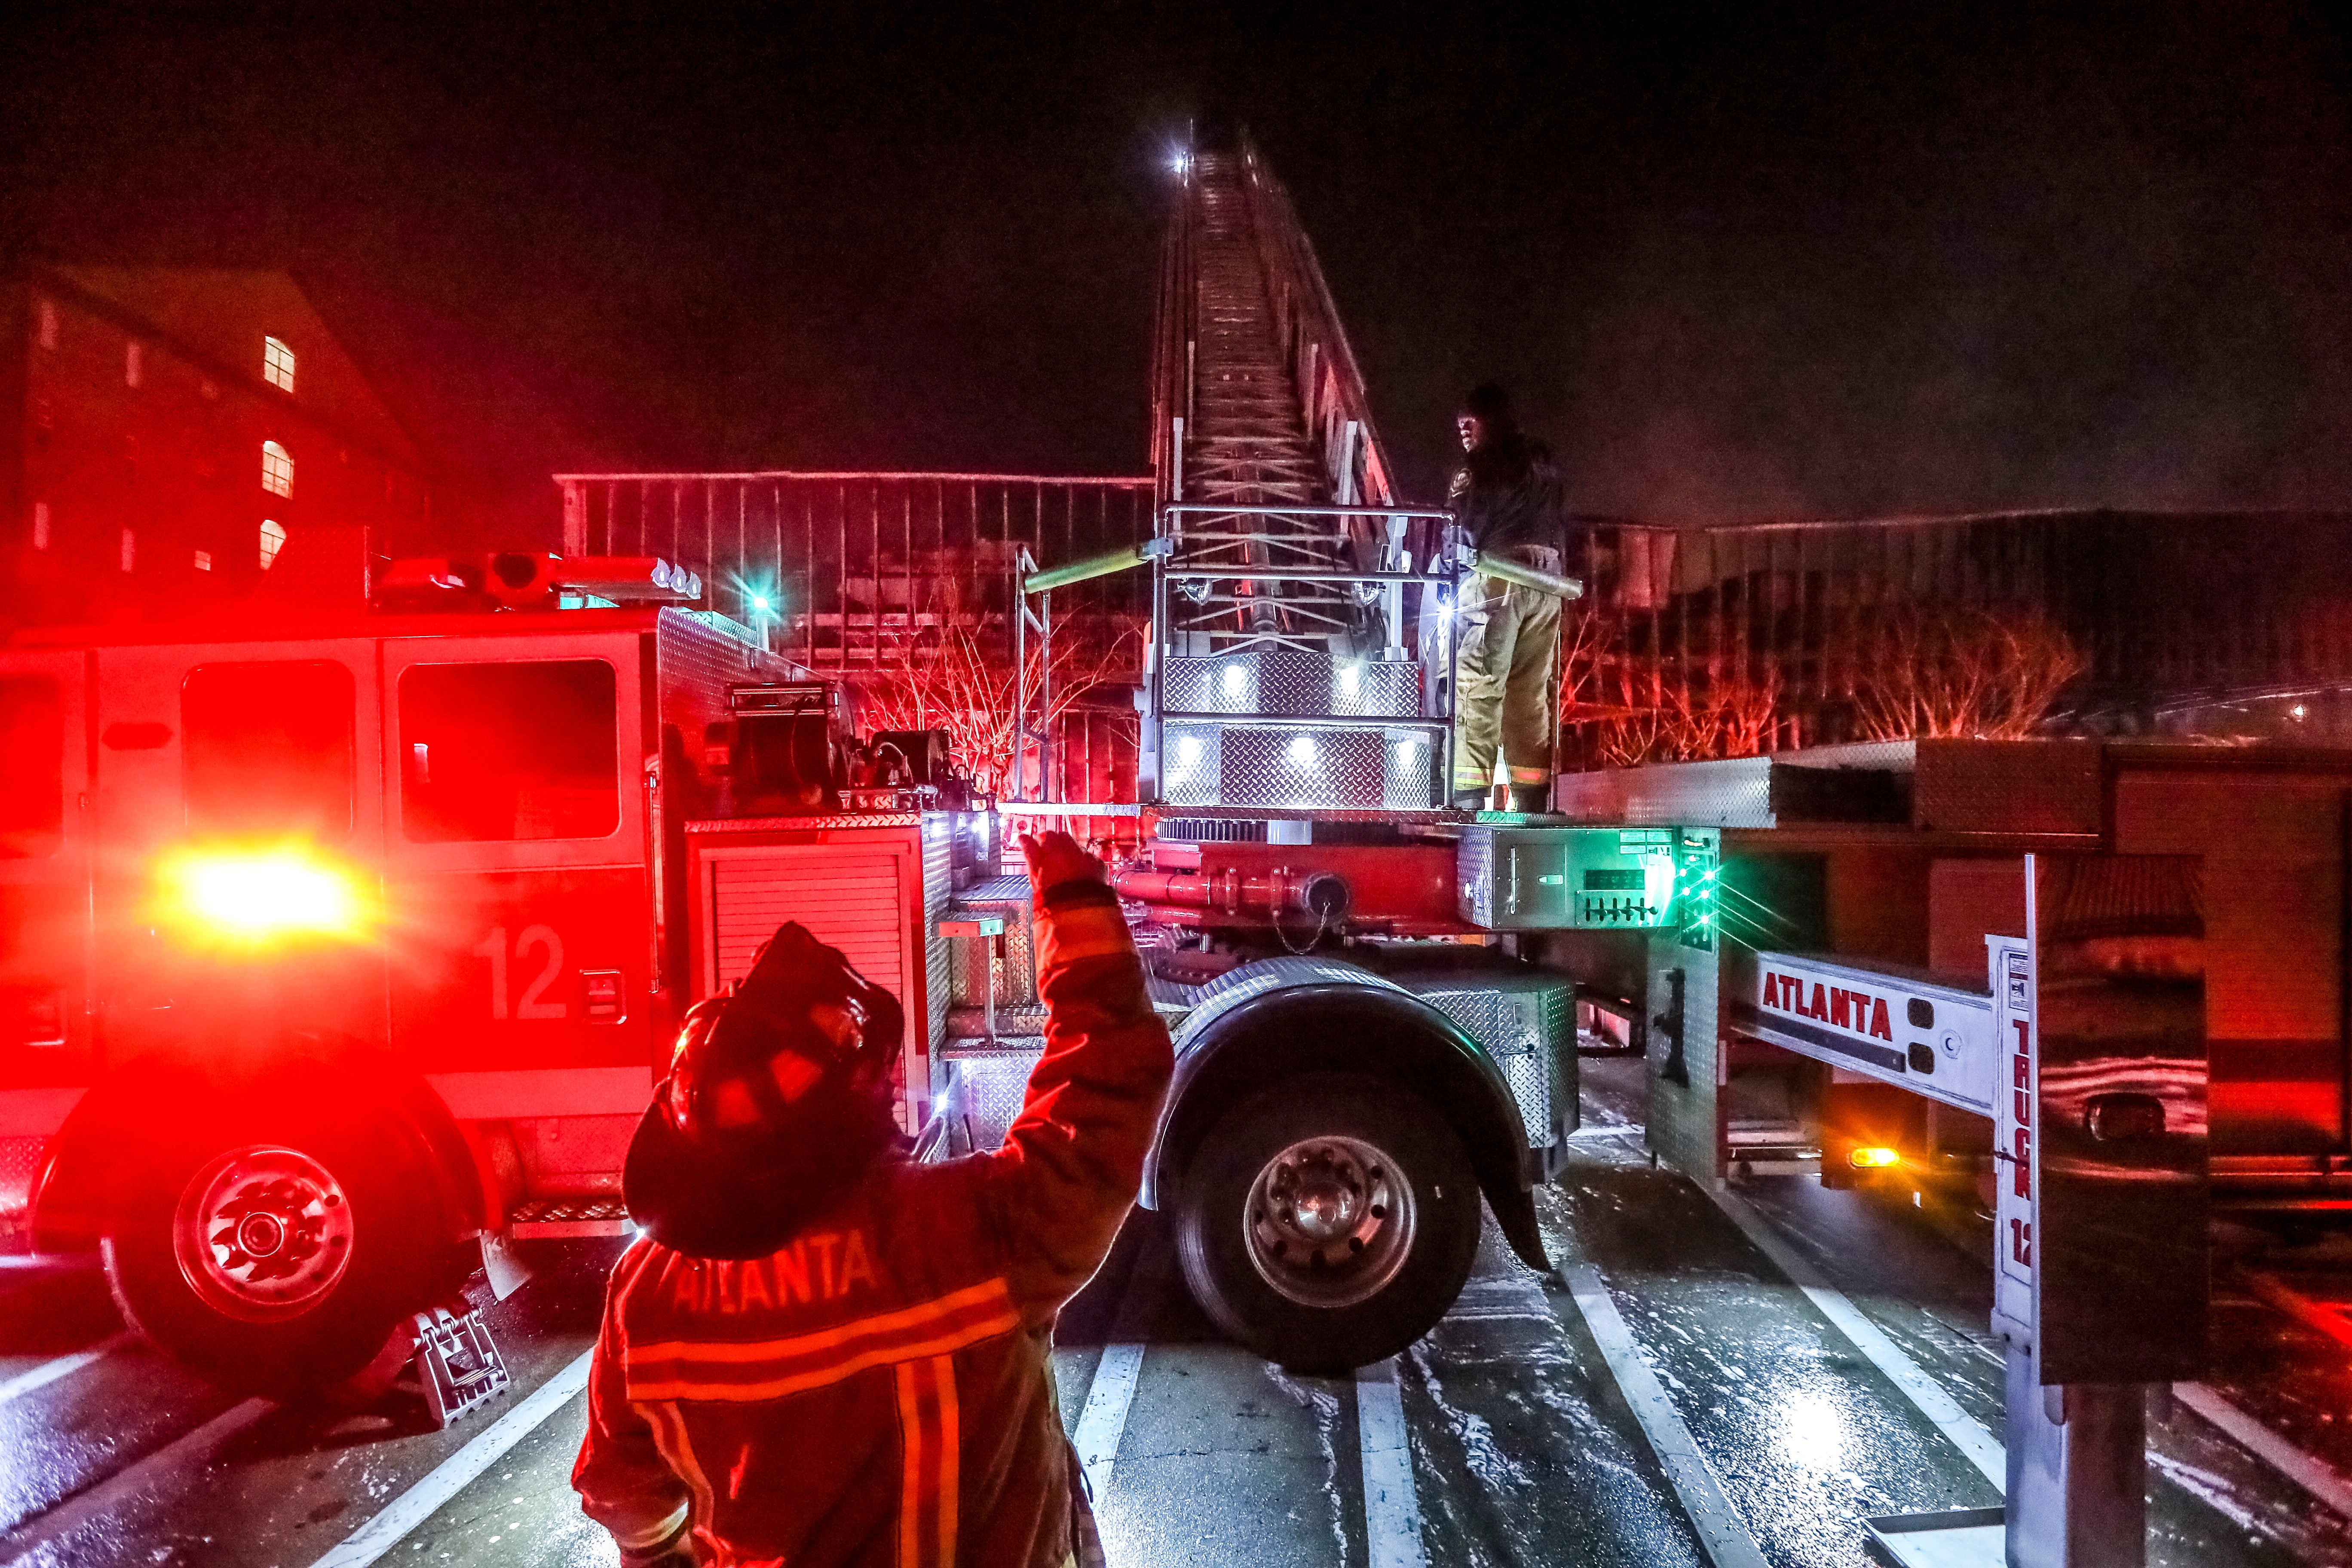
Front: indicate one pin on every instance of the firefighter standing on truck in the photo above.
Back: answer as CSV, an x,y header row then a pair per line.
x,y
823,1352
1507,496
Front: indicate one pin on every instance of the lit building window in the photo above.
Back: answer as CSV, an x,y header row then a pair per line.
x,y
134,364
278,365
203,560
41,525
130,549
273,540
49,329
277,470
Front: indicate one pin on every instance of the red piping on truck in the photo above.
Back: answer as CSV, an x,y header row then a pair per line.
x,y
1278,890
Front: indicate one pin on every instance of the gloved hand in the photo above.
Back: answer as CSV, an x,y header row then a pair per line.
x,y
1055,859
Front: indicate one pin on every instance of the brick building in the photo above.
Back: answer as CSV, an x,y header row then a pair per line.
x,y
182,435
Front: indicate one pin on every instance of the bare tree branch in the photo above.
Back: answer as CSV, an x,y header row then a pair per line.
x,y
965,686
1951,671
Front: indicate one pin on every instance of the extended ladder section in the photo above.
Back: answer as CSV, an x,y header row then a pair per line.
x,y
1301,628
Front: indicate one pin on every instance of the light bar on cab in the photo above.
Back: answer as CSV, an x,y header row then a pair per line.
x,y
628,579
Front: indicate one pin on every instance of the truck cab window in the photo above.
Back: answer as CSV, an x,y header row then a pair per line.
x,y
267,749
32,767
508,751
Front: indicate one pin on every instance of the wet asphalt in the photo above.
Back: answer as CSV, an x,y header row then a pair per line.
x,y
1523,1445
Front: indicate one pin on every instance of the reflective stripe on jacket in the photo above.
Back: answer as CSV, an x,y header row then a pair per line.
x,y
879,1390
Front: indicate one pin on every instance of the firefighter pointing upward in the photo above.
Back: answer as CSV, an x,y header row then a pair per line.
x,y
1507,496
825,1353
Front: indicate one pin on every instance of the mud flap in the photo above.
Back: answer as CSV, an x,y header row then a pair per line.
x,y
1515,1211
504,1263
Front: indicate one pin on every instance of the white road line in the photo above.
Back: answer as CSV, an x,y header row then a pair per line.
x,y
120,1487
2311,1473
1983,1449
49,1372
1103,1421
454,1474
1392,1505
1967,1434
1721,1531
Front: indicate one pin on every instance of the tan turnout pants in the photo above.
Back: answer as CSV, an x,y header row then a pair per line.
x,y
1505,680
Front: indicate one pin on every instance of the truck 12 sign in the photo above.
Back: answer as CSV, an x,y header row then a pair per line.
x,y
1931,1038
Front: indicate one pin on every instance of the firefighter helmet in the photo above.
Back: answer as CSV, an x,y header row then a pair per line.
x,y
778,1098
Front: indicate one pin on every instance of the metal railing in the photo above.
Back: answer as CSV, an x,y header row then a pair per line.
x,y
1428,636
849,571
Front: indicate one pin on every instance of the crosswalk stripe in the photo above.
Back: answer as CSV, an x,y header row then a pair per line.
x,y
1721,1532
1982,1449
1391,1504
1103,1420
49,1372
1967,1434
454,1474
2306,1470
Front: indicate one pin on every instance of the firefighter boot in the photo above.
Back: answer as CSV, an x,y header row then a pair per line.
x,y
1469,800
1533,799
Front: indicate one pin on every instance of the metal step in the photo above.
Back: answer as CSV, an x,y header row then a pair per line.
x,y
547,1219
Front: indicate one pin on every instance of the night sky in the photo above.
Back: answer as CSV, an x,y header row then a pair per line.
x,y
1779,261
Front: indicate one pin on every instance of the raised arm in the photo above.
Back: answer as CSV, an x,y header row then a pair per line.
x,y
1072,1162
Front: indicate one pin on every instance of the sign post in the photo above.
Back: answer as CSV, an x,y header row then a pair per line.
x,y
2100,1273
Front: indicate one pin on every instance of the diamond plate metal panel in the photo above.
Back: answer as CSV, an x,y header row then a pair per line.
x,y
939,884
987,1093
968,1025
1192,760
1474,876
697,657
1303,767
1732,793
1261,975
1293,680
1277,682
1014,972
1530,1080
1227,684
1527,1021
1375,690
1409,771
20,1162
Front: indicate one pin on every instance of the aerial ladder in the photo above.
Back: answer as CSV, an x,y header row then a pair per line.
x,y
1302,633
1328,940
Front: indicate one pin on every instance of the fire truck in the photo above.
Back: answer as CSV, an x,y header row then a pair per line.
x,y
342,956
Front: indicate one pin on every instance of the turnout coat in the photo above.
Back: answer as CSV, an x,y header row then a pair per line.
x,y
879,1390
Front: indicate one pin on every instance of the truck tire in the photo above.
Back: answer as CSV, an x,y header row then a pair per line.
x,y
277,1256
1327,1221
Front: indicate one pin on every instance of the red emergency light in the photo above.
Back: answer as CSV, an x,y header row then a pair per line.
x,y
522,579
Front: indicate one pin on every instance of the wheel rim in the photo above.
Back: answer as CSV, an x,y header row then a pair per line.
x,y
1329,1221
262,1233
